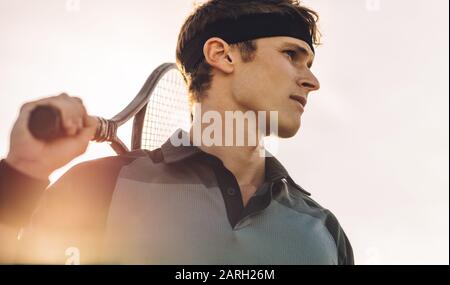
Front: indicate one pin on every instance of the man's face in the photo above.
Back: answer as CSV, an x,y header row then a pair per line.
x,y
275,79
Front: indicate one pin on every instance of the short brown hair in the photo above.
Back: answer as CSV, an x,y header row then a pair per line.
x,y
199,80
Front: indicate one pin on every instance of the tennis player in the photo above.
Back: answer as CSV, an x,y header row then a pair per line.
x,y
186,204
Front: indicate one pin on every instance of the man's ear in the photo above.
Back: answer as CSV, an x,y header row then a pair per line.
x,y
217,53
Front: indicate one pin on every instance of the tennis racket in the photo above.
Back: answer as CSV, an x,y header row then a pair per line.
x,y
159,109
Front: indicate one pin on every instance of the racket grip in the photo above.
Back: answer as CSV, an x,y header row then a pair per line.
x,y
45,123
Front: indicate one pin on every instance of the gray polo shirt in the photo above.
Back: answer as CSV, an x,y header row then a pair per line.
x,y
187,208
180,205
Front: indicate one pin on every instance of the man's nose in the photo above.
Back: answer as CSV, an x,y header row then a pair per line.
x,y
309,82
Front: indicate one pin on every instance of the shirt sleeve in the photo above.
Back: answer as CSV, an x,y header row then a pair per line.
x,y
344,248
19,195
347,258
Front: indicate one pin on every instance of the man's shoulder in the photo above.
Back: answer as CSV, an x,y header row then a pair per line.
x,y
301,201
101,173
305,204
116,159
86,190
111,164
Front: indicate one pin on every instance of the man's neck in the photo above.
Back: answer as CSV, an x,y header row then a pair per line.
x,y
245,162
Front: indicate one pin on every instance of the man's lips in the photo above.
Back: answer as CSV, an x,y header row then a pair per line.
x,y
300,99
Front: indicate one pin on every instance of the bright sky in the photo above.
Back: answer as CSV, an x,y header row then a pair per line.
x,y
374,142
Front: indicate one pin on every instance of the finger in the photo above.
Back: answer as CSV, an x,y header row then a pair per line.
x,y
70,127
71,107
90,127
72,112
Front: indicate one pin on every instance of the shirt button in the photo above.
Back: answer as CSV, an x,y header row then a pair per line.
x,y
231,191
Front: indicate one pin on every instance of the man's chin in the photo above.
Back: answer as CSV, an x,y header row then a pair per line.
x,y
285,132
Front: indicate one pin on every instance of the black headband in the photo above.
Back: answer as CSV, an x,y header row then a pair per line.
x,y
245,28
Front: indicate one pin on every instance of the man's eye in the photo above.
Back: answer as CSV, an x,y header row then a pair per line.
x,y
290,53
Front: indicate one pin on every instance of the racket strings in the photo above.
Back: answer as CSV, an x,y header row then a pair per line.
x,y
167,110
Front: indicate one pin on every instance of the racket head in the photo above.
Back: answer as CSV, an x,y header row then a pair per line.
x,y
166,110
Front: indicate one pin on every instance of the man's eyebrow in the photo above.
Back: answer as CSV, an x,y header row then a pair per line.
x,y
301,50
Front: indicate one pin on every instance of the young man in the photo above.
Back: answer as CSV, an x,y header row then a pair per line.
x,y
207,204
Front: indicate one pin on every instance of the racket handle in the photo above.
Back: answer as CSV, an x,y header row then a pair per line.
x,y
45,123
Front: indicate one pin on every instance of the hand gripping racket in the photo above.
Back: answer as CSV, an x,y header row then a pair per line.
x,y
159,109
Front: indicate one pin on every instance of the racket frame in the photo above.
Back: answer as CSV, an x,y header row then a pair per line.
x,y
107,129
138,122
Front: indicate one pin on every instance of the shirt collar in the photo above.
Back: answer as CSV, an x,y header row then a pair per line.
x,y
173,153
274,170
